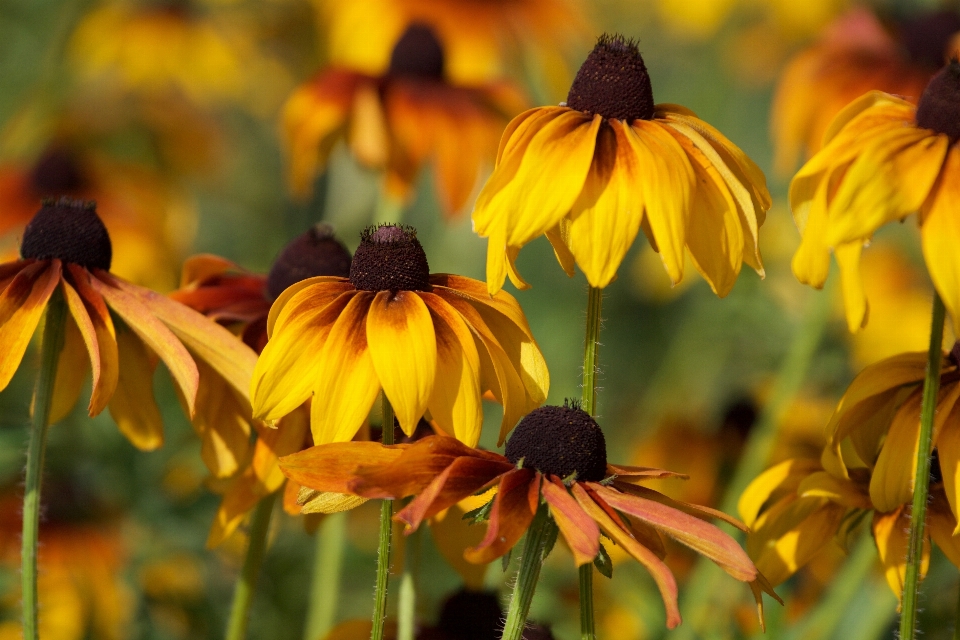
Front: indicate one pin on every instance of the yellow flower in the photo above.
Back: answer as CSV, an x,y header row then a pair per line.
x,y
882,160
590,173
855,54
400,121
433,342
119,328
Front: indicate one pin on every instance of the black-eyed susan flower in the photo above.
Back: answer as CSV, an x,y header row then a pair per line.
x,y
857,53
433,342
883,159
241,301
592,172
401,120
120,329
556,455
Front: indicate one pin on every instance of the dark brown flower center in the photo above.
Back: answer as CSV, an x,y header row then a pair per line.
x,y
390,258
55,173
926,37
939,106
417,53
314,253
613,82
560,441
69,230
471,615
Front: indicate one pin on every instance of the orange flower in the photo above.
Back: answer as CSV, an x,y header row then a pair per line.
x,y
856,54
119,328
401,120
556,455
224,292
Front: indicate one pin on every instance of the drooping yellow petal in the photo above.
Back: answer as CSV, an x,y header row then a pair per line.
x,y
783,476
79,328
455,400
346,382
403,348
941,525
891,532
940,234
95,308
804,528
891,484
21,307
843,492
875,104
132,406
71,371
948,447
667,189
854,297
222,422
559,238
286,372
811,262
606,216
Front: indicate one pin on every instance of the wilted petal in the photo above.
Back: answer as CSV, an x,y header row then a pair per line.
x,y
579,529
509,517
331,467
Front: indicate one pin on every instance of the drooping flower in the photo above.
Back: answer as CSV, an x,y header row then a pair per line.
x,y
119,328
556,455
883,159
241,301
592,172
857,53
432,342
401,120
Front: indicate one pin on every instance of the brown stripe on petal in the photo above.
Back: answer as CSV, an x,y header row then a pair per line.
x,y
509,517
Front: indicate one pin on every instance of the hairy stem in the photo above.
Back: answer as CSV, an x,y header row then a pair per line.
x,y
527,576
247,582
383,555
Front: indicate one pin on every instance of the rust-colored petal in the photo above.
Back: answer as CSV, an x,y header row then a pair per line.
x,y
580,530
686,507
509,517
331,467
99,315
635,474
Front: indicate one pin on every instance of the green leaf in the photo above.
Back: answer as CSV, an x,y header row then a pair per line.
x,y
603,563
480,514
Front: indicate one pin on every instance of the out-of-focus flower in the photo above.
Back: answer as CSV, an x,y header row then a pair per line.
x,y
120,329
856,54
433,342
241,301
148,220
884,159
81,559
556,455
591,173
480,37
401,120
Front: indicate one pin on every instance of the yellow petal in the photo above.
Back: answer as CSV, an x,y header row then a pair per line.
x,y
891,484
948,447
132,405
221,421
811,262
940,234
843,492
805,528
332,286
854,298
21,307
783,476
455,400
71,371
403,348
559,238
606,216
891,532
95,309
941,525
346,383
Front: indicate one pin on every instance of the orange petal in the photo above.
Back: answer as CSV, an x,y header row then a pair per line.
x,y
662,575
96,310
509,517
579,529
686,507
403,348
201,266
71,372
21,306
331,467
132,406
645,473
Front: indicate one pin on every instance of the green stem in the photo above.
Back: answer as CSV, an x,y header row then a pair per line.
x,y
918,513
704,596
956,622
325,586
53,335
591,357
247,582
407,601
530,563
386,528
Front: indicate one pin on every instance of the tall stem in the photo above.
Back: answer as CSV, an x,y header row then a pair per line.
x,y
956,622
383,555
530,564
407,605
53,335
247,582
591,358
325,586
918,513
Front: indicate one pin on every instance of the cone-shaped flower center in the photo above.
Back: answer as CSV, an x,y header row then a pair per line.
x,y
417,53
69,230
926,37
471,615
561,441
939,106
314,253
56,172
613,82
390,258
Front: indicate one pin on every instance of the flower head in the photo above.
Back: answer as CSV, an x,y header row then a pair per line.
x,y
592,172
591,496
882,160
432,342
241,300
119,328
400,120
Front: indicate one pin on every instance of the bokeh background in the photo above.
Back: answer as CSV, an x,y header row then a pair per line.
x,y
170,112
